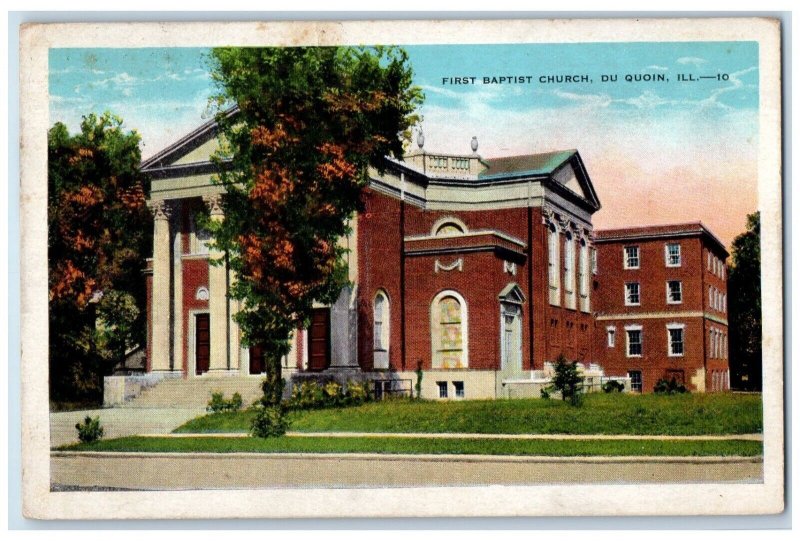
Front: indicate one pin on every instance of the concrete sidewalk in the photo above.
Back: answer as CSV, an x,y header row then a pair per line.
x,y
185,471
118,422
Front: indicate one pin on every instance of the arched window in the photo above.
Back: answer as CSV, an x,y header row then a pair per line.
x,y
448,226
381,330
449,330
554,265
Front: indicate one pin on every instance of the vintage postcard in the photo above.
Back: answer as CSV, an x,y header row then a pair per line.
x,y
402,269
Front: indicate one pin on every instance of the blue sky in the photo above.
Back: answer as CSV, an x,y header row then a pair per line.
x,y
657,141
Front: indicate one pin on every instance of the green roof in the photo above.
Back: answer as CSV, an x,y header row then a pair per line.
x,y
528,164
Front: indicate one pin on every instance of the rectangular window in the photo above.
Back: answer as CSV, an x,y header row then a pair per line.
x,y
675,335
634,342
674,292
594,261
459,388
611,333
709,260
636,381
553,266
583,276
569,271
673,255
711,344
632,294
442,385
631,257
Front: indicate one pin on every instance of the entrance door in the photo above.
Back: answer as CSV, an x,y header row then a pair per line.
x,y
257,362
202,340
319,339
511,347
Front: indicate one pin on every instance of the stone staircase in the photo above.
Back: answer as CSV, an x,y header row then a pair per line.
x,y
195,392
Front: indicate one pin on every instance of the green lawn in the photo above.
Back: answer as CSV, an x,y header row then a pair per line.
x,y
691,414
426,446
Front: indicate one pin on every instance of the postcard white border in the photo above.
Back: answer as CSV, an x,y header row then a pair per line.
x,y
564,500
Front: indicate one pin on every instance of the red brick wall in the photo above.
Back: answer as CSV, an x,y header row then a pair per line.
x,y
556,329
652,277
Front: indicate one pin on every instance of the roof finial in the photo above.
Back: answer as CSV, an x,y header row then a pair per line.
x,y
474,144
420,139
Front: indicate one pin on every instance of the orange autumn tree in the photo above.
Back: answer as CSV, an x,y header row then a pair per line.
x,y
98,232
310,123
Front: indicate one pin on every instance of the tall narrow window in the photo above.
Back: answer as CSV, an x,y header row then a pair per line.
x,y
449,331
611,336
381,331
569,271
632,297
634,337
583,276
675,340
594,260
672,253
631,254
553,266
674,292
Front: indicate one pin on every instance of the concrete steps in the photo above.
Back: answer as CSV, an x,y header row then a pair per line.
x,y
196,392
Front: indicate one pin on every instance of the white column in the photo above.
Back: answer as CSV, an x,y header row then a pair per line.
x,y
177,294
218,297
161,287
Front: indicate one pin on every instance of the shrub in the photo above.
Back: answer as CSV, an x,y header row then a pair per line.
x,y
219,404
90,430
613,386
333,393
568,380
269,422
358,392
669,387
545,394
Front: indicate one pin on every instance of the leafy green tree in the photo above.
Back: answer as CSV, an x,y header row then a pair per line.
x,y
98,235
568,380
310,123
744,306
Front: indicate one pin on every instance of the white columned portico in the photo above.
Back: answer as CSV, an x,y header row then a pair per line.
x,y
218,297
162,266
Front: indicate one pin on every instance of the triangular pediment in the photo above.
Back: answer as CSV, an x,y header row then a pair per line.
x,y
512,293
573,177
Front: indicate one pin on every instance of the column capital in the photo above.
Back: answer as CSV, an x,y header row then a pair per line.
x,y
214,204
160,209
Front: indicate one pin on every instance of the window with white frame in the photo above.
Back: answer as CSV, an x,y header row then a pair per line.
x,y
675,340
381,331
583,276
553,265
631,257
569,271
442,386
632,294
594,260
724,302
674,292
458,387
611,336
634,340
710,297
709,259
449,330
711,343
672,253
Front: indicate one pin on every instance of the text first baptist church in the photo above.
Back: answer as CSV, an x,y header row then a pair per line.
x,y
482,272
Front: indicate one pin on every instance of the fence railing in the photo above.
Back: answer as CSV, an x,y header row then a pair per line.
x,y
392,388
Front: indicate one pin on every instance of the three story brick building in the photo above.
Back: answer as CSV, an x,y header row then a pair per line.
x,y
661,306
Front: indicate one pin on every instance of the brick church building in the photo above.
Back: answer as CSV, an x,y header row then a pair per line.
x,y
479,271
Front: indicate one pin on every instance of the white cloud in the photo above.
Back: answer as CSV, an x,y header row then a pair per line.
x,y
694,60
657,67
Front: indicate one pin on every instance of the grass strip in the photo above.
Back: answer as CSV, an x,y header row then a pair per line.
x,y
692,414
472,446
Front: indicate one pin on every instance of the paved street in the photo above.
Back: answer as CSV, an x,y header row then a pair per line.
x,y
176,471
117,422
